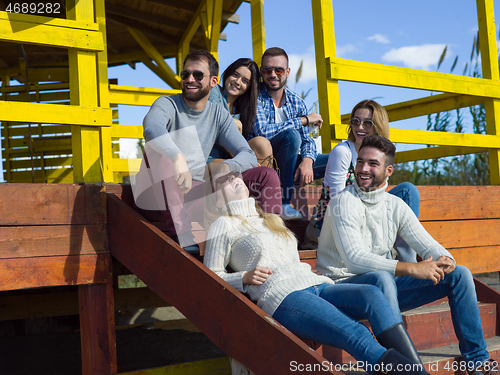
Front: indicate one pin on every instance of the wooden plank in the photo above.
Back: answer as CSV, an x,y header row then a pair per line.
x,y
33,241
97,328
55,114
39,305
478,259
207,301
379,74
21,30
465,233
46,204
23,273
459,202
217,366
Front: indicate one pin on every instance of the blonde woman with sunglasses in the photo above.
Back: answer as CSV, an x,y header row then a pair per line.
x,y
367,118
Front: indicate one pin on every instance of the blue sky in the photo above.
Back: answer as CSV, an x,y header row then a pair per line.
x,y
394,32
400,33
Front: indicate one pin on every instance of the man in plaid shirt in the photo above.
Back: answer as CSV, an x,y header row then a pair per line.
x,y
283,119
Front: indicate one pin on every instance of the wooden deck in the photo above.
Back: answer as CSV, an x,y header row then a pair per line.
x,y
66,235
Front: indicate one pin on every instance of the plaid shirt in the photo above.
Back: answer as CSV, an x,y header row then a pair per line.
x,y
294,107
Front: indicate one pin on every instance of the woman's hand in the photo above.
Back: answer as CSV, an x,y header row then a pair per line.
x,y
257,276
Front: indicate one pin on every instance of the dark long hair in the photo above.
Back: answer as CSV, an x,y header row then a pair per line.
x,y
245,104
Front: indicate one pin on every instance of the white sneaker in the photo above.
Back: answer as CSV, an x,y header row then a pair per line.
x,y
290,213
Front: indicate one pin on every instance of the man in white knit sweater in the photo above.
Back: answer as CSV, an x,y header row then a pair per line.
x,y
356,246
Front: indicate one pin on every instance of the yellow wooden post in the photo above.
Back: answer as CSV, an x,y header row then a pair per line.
x,y
489,61
103,98
183,46
211,22
328,89
83,92
258,30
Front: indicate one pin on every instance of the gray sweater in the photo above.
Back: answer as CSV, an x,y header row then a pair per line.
x,y
360,229
172,127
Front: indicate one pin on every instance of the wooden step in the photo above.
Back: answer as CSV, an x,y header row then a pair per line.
x,y
429,327
443,360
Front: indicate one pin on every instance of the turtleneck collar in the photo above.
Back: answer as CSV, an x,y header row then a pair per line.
x,y
243,207
371,197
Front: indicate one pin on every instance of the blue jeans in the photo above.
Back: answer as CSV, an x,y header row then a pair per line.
x,y
406,293
411,196
286,146
329,314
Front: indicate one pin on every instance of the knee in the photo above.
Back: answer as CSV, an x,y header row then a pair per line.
x,y
291,137
461,274
261,146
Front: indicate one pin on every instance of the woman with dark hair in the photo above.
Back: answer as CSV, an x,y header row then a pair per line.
x,y
238,94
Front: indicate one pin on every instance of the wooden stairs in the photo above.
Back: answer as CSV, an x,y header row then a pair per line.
x,y
54,235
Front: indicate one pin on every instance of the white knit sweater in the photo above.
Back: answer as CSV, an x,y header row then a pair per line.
x,y
360,229
246,246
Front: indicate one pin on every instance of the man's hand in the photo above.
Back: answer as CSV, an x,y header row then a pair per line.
x,y
257,276
449,266
315,119
182,175
426,269
304,172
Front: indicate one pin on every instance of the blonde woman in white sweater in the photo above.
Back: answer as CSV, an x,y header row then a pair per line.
x,y
263,254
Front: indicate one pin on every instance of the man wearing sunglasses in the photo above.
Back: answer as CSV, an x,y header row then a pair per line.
x,y
180,131
283,119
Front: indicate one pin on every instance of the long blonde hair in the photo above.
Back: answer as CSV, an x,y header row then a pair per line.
x,y
380,118
212,212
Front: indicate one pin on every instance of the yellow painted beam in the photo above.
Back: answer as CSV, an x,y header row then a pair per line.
x,y
435,152
424,137
490,69
50,21
378,74
127,131
152,52
139,55
426,106
137,95
156,70
41,87
258,30
103,96
126,165
183,46
54,114
23,30
59,176
44,97
328,91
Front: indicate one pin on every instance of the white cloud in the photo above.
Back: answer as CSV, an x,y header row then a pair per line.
x,y
308,67
379,38
344,50
418,57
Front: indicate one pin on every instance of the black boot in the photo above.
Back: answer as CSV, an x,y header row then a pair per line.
x,y
393,362
397,338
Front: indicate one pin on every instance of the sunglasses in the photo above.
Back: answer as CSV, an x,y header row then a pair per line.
x,y
268,70
356,122
197,75
226,177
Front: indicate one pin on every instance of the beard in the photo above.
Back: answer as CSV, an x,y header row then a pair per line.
x,y
195,96
377,182
280,86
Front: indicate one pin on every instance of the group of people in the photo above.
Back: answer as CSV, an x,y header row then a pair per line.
x,y
366,264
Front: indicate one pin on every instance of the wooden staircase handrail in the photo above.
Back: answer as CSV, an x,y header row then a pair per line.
x,y
235,324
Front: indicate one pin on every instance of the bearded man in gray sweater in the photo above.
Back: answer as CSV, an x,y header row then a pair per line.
x,y
180,131
356,242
